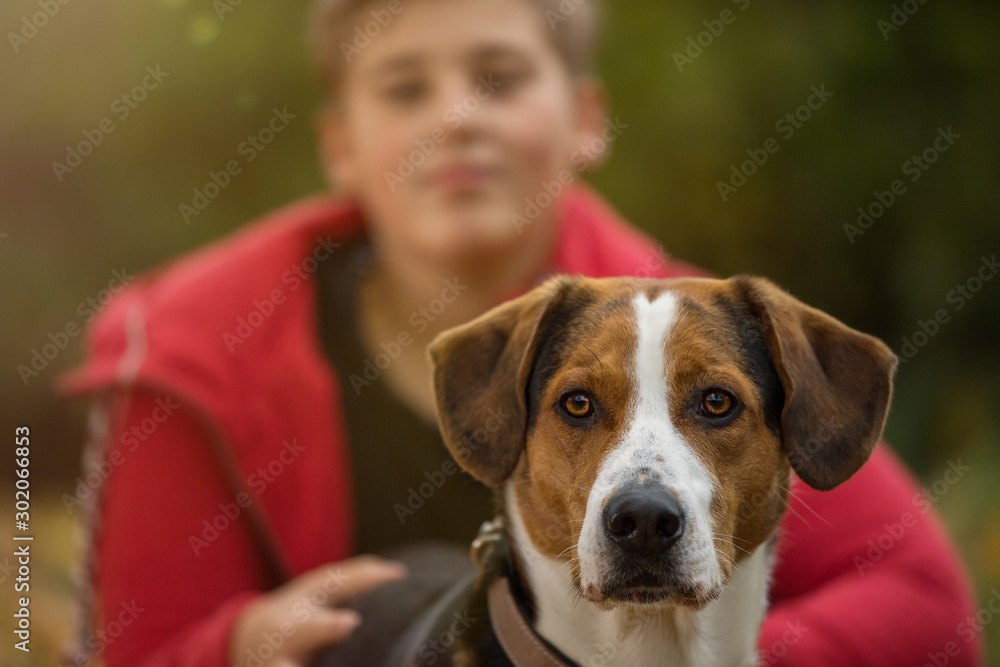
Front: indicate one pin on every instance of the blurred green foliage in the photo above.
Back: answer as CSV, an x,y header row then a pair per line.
x,y
686,130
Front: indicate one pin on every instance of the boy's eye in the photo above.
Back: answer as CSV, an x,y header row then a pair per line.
x,y
405,92
504,80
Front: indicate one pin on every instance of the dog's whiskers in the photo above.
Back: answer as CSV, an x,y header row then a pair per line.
x,y
565,550
804,504
585,363
599,360
791,509
719,536
732,561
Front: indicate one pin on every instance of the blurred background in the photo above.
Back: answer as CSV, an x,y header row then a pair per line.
x,y
694,102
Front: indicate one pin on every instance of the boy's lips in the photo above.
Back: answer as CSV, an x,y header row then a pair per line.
x,y
463,177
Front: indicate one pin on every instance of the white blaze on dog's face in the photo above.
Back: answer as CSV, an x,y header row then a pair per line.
x,y
653,422
652,457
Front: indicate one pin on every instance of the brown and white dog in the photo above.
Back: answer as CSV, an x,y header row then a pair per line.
x,y
643,458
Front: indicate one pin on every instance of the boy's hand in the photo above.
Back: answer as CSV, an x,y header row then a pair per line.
x,y
302,614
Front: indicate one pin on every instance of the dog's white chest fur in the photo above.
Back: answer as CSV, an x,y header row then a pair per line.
x,y
723,634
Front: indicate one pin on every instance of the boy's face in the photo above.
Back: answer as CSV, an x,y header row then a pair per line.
x,y
451,116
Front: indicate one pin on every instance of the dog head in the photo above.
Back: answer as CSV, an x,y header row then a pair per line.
x,y
645,429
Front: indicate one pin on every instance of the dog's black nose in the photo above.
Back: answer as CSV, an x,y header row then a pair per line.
x,y
644,519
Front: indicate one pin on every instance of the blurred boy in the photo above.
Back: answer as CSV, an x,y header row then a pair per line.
x,y
293,352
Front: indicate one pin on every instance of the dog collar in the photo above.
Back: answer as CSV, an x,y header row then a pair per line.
x,y
522,645
520,642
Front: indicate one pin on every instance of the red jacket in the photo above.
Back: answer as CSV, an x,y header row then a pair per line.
x,y
226,473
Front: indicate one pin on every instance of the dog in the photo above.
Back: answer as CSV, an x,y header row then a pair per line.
x,y
641,461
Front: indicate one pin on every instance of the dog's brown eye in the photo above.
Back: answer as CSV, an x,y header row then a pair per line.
x,y
577,404
717,403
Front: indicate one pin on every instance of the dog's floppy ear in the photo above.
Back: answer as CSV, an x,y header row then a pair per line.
x,y
481,370
837,384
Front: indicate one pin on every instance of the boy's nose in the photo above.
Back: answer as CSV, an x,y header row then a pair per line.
x,y
461,98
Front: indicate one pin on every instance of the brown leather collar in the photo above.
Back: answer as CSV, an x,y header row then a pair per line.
x,y
522,645
520,642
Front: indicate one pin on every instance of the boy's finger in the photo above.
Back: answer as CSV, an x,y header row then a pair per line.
x,y
364,575
324,627
336,583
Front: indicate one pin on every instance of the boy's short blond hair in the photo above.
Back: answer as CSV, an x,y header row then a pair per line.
x,y
336,25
